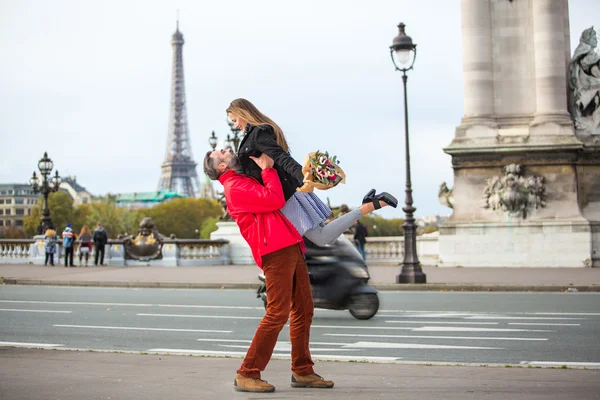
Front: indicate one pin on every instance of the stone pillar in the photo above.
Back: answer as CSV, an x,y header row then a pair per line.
x,y
550,67
477,63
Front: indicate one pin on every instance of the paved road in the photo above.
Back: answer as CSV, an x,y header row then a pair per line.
x,y
491,328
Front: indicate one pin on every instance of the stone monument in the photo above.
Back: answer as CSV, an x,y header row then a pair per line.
x,y
526,156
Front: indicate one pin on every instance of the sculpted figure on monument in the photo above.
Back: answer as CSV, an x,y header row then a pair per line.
x,y
446,196
584,81
513,193
146,245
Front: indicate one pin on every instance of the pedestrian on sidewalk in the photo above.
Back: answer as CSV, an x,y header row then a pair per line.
x,y
100,238
68,238
50,246
85,245
278,249
360,238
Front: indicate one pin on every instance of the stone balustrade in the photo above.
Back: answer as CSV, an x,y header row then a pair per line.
x,y
175,252
390,249
194,252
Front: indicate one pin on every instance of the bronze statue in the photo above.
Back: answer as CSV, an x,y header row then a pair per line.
x,y
146,245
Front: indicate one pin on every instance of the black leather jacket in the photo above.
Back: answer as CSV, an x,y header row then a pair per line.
x,y
261,139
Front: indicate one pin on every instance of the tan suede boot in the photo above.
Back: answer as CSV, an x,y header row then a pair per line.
x,y
243,384
310,381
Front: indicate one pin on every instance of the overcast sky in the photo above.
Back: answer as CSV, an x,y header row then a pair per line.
x,y
89,82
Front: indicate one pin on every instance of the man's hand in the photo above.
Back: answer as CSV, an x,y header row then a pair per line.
x,y
264,161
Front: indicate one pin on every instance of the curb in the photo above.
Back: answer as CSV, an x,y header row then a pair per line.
x,y
422,287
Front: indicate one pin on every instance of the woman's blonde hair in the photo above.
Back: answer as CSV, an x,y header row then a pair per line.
x,y
85,231
245,110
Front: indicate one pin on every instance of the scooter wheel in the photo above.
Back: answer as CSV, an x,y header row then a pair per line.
x,y
364,306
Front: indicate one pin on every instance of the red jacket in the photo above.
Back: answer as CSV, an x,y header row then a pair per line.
x,y
255,209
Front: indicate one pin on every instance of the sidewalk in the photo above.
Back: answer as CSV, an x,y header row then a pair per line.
x,y
245,277
73,375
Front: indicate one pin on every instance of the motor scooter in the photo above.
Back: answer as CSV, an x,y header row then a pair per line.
x,y
338,277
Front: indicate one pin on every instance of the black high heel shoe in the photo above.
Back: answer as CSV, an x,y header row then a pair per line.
x,y
371,197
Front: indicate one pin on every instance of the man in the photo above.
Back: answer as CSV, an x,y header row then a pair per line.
x,y
360,237
68,238
278,249
100,238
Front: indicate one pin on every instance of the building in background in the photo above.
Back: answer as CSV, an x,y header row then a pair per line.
x,y
78,193
145,199
16,202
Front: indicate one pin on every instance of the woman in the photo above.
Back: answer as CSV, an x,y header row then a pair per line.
x,y
85,244
304,210
50,246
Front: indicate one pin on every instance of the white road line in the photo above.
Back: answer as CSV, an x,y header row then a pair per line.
x,y
556,313
321,357
440,322
89,303
285,343
380,345
29,345
313,350
437,337
385,328
471,329
540,324
139,328
504,317
197,316
38,311
561,363
76,303
440,315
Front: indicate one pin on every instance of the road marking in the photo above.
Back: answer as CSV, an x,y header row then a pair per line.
x,y
381,345
561,363
471,329
504,317
38,311
362,327
280,347
540,324
437,337
29,345
440,322
440,315
553,313
197,316
322,357
89,303
250,341
139,328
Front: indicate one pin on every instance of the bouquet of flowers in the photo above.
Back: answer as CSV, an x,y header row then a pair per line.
x,y
321,172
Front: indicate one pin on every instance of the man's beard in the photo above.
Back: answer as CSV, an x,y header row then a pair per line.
x,y
234,163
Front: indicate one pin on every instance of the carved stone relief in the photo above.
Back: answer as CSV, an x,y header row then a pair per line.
x,y
514,193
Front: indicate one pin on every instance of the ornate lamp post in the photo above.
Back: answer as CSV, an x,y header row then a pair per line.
x,y
400,51
213,140
46,186
235,142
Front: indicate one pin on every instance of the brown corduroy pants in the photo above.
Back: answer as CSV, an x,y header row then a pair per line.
x,y
289,295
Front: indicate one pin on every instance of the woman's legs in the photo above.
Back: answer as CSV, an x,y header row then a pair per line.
x,y
326,234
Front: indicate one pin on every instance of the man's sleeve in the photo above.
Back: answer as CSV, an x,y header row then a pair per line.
x,y
251,196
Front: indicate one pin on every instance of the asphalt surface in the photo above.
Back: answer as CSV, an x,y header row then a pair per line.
x,y
383,277
40,374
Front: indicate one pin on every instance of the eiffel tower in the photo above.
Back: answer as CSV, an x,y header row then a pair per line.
x,y
179,168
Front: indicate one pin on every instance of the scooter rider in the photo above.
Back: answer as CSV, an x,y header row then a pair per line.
x,y
278,249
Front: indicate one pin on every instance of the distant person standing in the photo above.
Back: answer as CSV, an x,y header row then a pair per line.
x,y
100,238
68,238
50,246
360,238
85,245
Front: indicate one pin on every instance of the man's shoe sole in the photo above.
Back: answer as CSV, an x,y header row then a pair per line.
x,y
308,386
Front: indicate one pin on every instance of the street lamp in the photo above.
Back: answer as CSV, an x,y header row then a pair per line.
x,y
404,49
213,140
45,186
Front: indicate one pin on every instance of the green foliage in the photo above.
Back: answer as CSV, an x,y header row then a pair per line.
x,y
378,226
61,212
430,229
182,216
208,226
